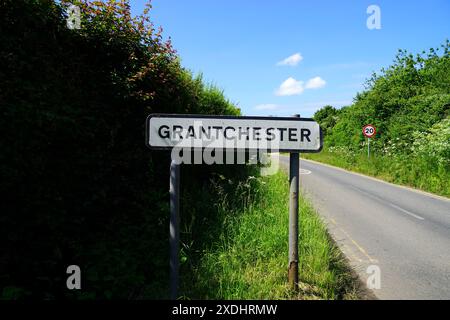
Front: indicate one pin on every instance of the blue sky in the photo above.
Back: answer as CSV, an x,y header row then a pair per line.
x,y
239,45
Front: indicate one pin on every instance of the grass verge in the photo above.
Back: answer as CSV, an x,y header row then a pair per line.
x,y
408,171
245,255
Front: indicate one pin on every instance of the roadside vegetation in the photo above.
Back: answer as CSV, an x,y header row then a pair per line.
x,y
409,103
78,184
242,252
80,187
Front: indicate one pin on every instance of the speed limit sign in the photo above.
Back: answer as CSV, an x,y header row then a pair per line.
x,y
369,131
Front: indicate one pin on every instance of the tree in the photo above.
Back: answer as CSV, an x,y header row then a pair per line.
x,y
327,118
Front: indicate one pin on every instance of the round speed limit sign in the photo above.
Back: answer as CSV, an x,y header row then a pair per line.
x,y
369,131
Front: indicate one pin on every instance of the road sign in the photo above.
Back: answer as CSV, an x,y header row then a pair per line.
x,y
369,131
288,134
266,134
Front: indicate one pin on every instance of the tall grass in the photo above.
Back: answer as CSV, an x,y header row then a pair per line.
x,y
416,172
246,255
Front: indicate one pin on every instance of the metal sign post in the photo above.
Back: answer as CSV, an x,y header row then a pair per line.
x,y
294,172
232,133
369,131
174,228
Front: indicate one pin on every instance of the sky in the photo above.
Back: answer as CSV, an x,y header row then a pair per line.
x,y
290,57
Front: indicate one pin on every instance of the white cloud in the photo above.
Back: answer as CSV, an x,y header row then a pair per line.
x,y
290,87
269,106
291,60
315,83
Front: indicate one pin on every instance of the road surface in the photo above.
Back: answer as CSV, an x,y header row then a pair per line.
x,y
403,232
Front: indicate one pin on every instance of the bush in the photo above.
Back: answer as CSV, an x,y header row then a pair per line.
x,y
79,185
409,104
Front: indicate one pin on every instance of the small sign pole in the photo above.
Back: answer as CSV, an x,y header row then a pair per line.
x,y
174,228
294,171
369,131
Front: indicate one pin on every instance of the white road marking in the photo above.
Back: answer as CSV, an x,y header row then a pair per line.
x,y
406,211
375,197
304,171
389,204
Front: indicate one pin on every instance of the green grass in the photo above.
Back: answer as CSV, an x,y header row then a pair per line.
x,y
246,255
409,171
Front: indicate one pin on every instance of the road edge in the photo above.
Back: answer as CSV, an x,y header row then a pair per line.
x,y
432,195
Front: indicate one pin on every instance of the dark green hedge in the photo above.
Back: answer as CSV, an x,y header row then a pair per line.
x,y
78,184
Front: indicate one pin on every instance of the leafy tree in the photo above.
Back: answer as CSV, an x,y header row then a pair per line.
x,y
411,94
327,117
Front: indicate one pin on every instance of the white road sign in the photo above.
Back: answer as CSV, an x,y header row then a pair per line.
x,y
290,134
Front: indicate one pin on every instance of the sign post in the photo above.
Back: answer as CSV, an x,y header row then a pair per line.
x,y
174,228
369,131
294,171
215,134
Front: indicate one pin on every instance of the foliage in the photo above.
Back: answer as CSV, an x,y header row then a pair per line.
x,y
409,103
327,118
243,256
434,144
79,185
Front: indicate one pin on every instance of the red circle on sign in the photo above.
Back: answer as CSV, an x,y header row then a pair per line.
x,y
369,131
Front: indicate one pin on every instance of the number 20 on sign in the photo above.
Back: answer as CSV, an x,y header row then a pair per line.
x,y
369,131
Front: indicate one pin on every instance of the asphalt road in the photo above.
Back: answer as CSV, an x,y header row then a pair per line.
x,y
403,232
